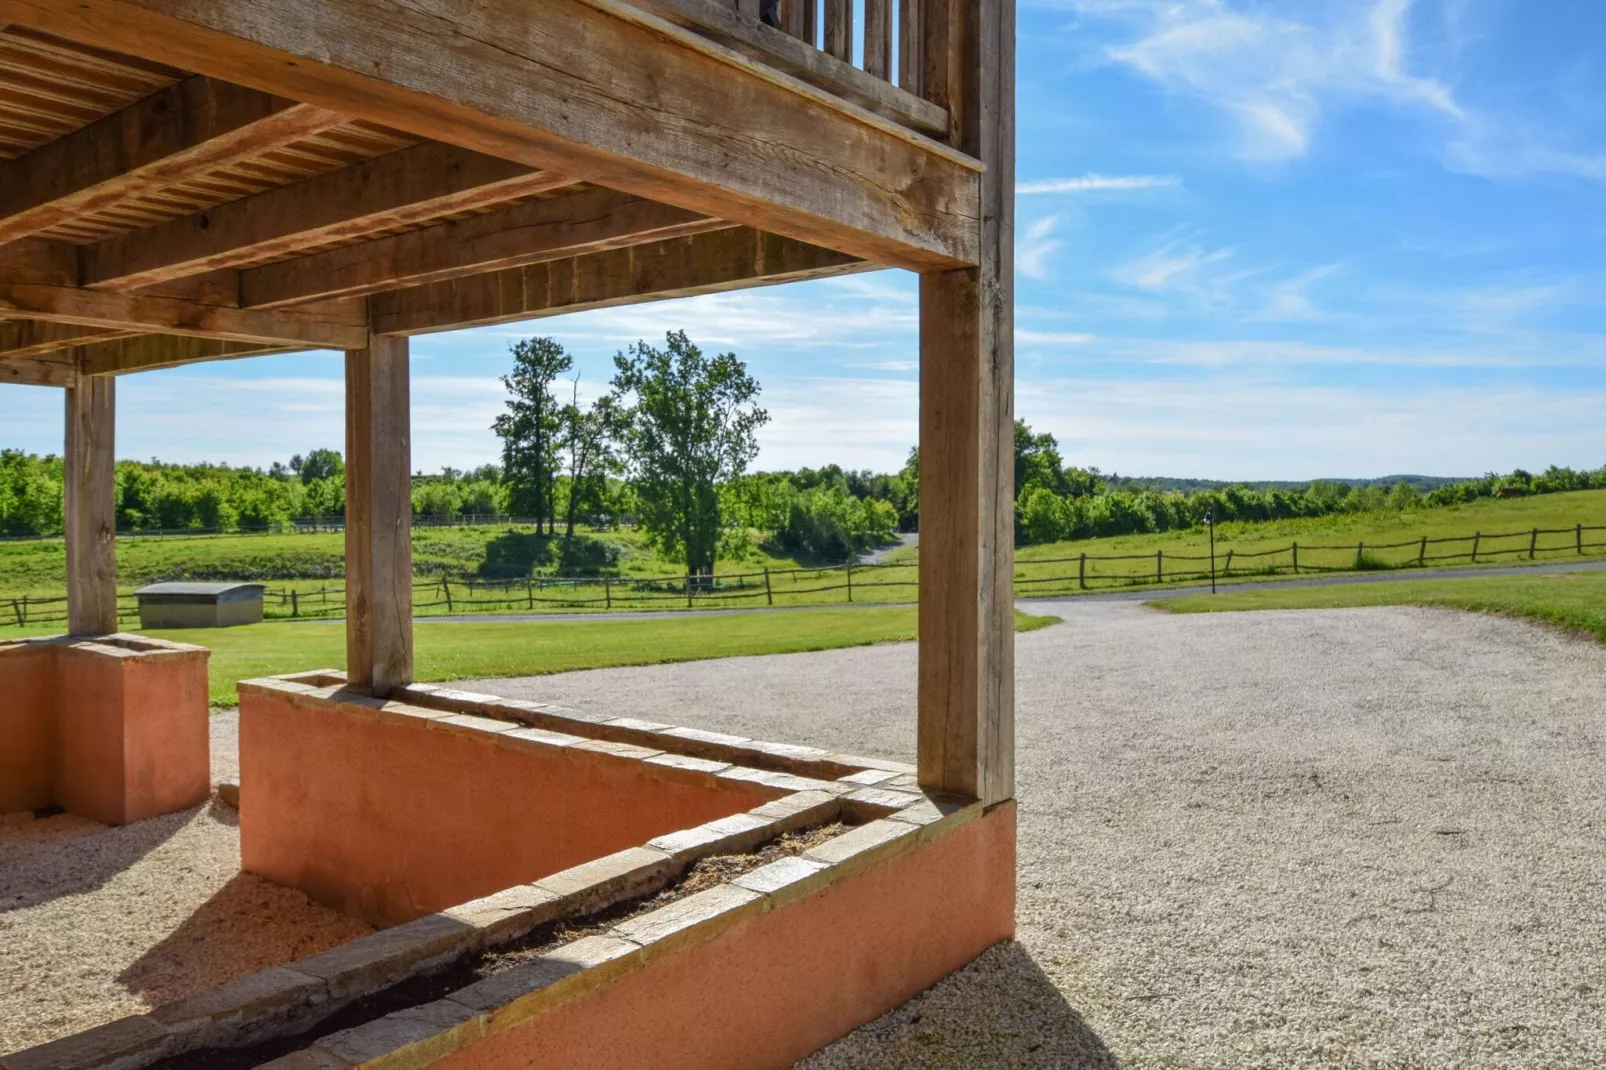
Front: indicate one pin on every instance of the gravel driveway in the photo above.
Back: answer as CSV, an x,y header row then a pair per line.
x,y
1365,837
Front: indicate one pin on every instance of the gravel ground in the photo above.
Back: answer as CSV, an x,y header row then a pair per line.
x,y
99,922
1366,837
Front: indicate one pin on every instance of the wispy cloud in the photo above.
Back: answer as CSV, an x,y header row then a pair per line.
x,y
1037,244
1091,183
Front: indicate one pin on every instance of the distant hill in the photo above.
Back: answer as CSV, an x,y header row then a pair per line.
x,y
1424,484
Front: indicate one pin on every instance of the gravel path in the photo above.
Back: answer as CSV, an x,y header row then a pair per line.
x,y
98,922
1368,837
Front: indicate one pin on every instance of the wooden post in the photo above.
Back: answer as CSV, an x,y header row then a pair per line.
x,y
1159,566
1296,558
967,421
379,513
769,595
1360,553
295,605
1578,536
90,506
1226,568
529,593
1533,542
850,580
607,593
1081,571
1422,553
1477,537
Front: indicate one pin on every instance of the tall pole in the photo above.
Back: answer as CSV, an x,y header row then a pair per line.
x,y
1210,522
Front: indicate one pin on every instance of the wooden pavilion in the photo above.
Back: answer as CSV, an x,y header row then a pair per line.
x,y
195,180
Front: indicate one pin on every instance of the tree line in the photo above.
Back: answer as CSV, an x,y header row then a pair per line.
x,y
667,449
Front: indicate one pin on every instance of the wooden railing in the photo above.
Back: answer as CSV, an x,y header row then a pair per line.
x,y
875,62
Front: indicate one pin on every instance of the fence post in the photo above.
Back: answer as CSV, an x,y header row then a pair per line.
x,y
529,593
850,581
1296,558
1159,566
607,593
21,613
295,605
1081,571
688,590
1477,537
769,595
1422,554
1533,540
1226,569
1360,553
1578,534
446,589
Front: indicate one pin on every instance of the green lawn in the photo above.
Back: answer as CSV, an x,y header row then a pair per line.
x,y
1571,599
446,651
1052,568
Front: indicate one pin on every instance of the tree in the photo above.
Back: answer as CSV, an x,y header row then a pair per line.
x,y
528,428
588,439
690,427
1037,461
319,464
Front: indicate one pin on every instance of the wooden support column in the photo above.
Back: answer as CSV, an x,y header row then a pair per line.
x,y
967,358
379,515
90,507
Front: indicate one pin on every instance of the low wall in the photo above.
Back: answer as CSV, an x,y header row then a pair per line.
x,y
113,728
388,811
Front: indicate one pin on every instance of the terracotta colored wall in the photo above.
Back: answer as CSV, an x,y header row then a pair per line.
x,y
27,728
388,820
104,728
773,989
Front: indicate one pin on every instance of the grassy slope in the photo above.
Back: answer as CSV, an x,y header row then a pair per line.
x,y
460,651
1574,600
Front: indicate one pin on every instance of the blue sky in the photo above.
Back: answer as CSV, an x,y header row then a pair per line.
x,y
1255,240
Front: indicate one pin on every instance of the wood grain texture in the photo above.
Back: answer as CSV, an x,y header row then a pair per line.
x,y
173,135
32,371
682,267
379,512
559,85
839,29
793,51
333,328
32,338
523,234
90,506
402,188
147,352
967,672
878,38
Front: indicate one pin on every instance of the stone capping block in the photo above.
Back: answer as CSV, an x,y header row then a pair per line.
x,y
513,996
242,1010
865,846
691,920
370,963
508,914
135,1041
595,885
405,1039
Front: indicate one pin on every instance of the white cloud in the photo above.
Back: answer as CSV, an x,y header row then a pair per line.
x,y
1026,336
1091,183
1037,244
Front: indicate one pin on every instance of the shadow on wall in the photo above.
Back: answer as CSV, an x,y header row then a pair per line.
x,y
248,925
69,855
1001,1010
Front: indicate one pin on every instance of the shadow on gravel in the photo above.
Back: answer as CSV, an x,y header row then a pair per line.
x,y
79,857
1000,1011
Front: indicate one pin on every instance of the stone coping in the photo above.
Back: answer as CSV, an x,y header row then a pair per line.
x,y
888,811
115,645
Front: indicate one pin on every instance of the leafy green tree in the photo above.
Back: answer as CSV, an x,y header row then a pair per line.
x,y
588,437
1037,461
319,464
691,422
529,428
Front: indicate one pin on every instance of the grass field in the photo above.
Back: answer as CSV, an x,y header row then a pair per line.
x,y
1574,600
445,651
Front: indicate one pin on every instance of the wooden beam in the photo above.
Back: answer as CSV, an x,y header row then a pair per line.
x,y
173,135
596,89
336,327
32,338
681,267
91,507
31,371
379,515
785,51
967,357
523,234
149,352
398,189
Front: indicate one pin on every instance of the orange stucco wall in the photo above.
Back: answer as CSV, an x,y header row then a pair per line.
x,y
774,988
112,728
389,819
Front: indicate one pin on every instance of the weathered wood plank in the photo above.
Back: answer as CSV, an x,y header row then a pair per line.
x,y
523,234
683,267
793,51
401,188
839,29
909,44
556,85
966,671
335,327
32,338
90,503
31,371
189,128
146,352
379,554
878,39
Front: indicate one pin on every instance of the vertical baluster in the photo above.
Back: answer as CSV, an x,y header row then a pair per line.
x,y
909,45
878,38
839,29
